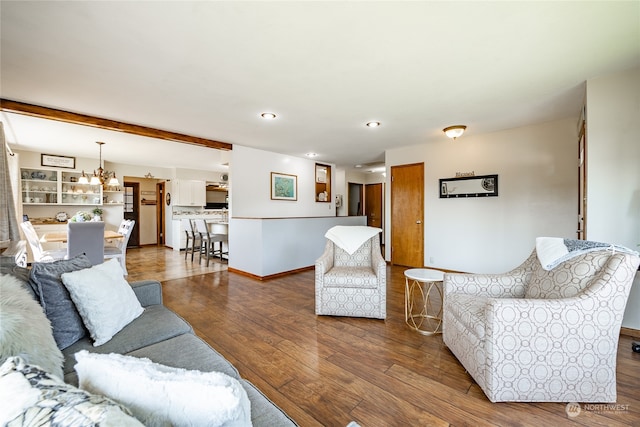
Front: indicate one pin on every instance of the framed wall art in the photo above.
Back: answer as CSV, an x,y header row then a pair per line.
x,y
57,161
469,186
284,186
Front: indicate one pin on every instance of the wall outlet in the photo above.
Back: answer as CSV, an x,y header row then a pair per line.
x,y
431,260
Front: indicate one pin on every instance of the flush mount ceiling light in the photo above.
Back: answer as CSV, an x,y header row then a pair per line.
x,y
311,154
268,116
455,131
373,124
101,176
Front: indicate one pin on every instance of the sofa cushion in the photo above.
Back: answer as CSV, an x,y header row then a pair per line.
x,y
263,411
55,299
567,279
162,395
189,352
156,324
31,396
103,298
24,329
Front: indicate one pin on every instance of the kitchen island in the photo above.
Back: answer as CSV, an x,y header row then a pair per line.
x,y
216,219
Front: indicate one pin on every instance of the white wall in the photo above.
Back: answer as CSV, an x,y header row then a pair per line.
x,y
251,181
264,247
537,175
613,168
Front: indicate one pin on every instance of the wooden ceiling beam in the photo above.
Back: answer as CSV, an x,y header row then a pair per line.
x,y
86,120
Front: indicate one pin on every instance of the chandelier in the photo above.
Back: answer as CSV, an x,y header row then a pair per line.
x,y
101,176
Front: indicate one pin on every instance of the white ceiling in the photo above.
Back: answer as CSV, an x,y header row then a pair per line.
x,y
209,68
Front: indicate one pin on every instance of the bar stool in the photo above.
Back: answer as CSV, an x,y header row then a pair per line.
x,y
206,244
221,239
192,237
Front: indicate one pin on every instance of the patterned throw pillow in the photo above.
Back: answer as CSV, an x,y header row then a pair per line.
x,y
31,396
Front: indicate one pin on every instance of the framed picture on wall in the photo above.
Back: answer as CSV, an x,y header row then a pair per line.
x,y
284,186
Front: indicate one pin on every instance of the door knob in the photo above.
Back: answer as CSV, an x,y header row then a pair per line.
x,y
418,222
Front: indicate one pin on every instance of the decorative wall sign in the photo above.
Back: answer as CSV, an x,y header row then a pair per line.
x,y
57,161
471,186
284,186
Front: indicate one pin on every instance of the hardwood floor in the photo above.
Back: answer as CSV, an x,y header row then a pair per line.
x,y
328,371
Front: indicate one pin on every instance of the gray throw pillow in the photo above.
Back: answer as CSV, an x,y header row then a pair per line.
x,y
55,299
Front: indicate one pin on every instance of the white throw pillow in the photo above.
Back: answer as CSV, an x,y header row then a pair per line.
x,y
160,395
105,301
24,329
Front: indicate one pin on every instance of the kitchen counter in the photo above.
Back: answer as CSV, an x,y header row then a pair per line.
x,y
217,222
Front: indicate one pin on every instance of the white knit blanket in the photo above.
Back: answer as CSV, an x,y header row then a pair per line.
x,y
350,238
552,251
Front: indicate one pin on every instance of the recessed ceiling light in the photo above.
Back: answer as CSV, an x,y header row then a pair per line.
x,y
268,115
373,124
311,154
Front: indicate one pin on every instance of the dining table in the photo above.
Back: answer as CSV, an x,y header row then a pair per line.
x,y
61,237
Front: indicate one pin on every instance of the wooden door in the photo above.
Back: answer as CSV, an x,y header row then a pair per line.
x,y
407,215
373,204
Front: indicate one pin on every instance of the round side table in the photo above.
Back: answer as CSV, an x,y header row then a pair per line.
x,y
418,307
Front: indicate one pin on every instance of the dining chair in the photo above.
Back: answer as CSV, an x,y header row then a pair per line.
x,y
39,254
192,237
122,228
86,238
120,249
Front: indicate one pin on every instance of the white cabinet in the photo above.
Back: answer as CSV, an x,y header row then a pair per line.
x,y
178,237
189,193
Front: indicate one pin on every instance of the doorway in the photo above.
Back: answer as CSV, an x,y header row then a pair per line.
x,y
373,204
582,184
131,211
373,208
355,199
160,189
407,215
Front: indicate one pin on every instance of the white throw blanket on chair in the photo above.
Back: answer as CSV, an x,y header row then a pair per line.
x,y
350,238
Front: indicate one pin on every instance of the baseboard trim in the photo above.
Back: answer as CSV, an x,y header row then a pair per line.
x,y
629,332
270,276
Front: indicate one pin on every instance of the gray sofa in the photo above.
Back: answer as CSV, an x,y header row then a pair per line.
x,y
164,337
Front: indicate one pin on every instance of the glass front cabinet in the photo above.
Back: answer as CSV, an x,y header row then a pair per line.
x,y
55,187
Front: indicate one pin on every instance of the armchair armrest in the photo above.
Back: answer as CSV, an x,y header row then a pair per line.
x,y
148,292
325,262
379,265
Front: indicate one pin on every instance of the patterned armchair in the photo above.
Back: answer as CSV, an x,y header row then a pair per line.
x,y
537,335
352,285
